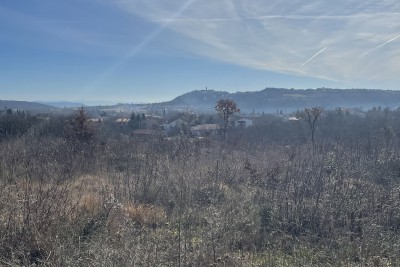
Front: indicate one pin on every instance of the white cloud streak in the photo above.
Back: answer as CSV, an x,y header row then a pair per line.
x,y
135,49
379,46
280,35
266,17
314,56
391,40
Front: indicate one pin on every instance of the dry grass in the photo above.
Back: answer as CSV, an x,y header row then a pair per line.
x,y
87,191
145,214
179,205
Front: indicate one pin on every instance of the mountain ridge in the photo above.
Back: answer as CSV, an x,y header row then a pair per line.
x,y
268,100
25,105
273,99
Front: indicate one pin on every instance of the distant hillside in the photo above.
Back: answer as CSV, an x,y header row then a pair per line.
x,y
86,103
269,100
273,99
61,104
25,105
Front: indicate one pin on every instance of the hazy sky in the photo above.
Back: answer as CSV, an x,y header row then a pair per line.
x,y
153,50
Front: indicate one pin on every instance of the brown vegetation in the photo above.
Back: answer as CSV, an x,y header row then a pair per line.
x,y
263,197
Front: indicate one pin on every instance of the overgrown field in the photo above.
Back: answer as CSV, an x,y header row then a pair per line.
x,y
258,198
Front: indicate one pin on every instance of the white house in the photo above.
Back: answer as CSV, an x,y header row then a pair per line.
x,y
205,129
122,120
168,126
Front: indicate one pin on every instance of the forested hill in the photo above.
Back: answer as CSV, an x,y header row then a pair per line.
x,y
273,99
25,105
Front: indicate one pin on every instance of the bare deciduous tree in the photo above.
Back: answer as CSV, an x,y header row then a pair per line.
x,y
226,107
312,117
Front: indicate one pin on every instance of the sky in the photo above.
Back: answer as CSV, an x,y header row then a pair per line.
x,y
154,50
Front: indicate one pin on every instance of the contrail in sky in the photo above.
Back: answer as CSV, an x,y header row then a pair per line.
x,y
311,58
135,49
379,46
265,17
391,40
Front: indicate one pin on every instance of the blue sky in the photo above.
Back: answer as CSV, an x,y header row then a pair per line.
x,y
154,50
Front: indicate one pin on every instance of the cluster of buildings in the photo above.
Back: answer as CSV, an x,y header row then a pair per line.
x,y
153,125
202,130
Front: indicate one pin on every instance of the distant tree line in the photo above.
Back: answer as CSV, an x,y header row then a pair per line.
x,y
15,123
136,120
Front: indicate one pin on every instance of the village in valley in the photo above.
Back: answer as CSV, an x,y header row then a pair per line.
x,y
195,125
227,180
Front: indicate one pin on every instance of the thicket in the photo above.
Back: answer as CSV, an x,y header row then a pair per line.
x,y
264,196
